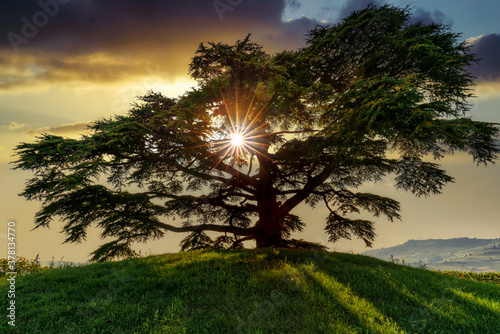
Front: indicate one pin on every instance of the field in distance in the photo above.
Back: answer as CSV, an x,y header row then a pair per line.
x,y
461,254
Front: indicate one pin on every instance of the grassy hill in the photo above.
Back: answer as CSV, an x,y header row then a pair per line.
x,y
463,254
251,291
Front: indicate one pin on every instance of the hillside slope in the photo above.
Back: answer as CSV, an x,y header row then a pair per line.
x,y
463,254
251,291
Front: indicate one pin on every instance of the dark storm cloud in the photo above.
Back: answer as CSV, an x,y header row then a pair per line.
x,y
426,17
353,5
293,4
89,25
55,40
487,50
294,30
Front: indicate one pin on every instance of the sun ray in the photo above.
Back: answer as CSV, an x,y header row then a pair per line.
x,y
251,132
226,145
236,135
222,157
258,152
237,105
250,107
227,109
260,112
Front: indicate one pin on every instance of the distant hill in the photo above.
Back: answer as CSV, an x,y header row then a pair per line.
x,y
463,254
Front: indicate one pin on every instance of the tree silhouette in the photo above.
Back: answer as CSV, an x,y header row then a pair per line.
x,y
260,134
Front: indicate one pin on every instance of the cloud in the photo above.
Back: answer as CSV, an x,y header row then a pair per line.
x,y
426,17
64,129
117,40
15,126
293,4
294,31
26,69
354,5
487,50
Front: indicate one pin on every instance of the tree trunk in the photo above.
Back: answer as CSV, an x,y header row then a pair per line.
x,y
268,232
269,227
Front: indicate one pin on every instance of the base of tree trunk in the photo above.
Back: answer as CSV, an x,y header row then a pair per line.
x,y
265,241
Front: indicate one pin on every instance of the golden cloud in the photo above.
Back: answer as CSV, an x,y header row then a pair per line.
x,y
27,70
15,126
64,129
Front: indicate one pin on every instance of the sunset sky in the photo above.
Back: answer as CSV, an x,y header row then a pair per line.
x,y
66,63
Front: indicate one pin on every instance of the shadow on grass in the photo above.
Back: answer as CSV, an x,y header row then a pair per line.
x,y
417,300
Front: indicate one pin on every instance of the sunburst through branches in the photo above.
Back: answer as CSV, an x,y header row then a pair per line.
x,y
238,136
239,142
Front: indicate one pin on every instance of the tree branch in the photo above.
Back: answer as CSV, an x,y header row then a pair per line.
x,y
309,187
249,181
199,174
327,205
290,132
216,201
207,227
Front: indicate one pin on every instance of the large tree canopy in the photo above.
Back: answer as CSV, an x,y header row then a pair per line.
x,y
260,134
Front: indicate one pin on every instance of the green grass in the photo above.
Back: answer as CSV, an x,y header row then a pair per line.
x,y
252,291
